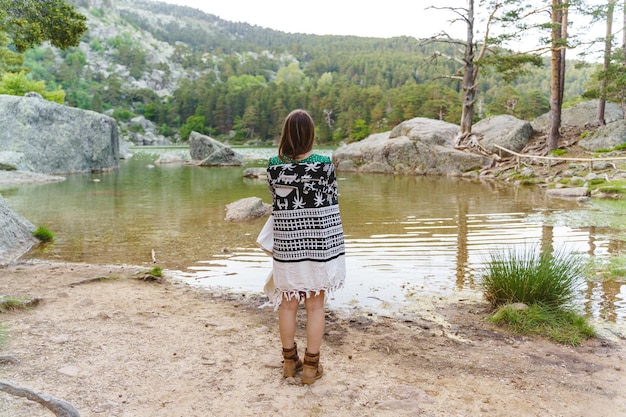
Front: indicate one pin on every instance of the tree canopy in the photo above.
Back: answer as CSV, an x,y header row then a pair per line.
x,y
28,23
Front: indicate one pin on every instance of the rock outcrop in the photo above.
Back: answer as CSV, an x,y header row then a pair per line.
x,y
580,115
16,234
50,138
416,146
142,132
609,136
503,130
210,152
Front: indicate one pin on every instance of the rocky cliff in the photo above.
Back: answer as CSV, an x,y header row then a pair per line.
x,y
51,138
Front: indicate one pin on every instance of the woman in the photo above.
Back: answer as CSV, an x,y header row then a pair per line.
x,y
308,255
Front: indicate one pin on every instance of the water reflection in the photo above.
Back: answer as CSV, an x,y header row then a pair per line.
x,y
405,236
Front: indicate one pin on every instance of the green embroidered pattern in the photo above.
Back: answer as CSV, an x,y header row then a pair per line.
x,y
275,160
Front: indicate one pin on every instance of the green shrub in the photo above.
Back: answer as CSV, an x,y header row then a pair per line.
x,y
122,114
532,277
6,167
43,234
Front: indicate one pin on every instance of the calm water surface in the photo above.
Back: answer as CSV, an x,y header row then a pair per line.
x,y
407,237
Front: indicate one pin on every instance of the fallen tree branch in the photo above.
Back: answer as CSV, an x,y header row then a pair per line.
x,y
59,407
90,281
9,359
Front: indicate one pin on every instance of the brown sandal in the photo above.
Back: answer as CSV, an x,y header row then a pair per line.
x,y
311,370
291,362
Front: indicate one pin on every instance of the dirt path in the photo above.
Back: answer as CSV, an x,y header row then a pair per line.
x,y
128,347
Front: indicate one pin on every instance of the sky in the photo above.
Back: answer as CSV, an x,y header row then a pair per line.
x,y
337,17
388,18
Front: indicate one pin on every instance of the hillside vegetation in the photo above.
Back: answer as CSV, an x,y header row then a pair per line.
x,y
186,70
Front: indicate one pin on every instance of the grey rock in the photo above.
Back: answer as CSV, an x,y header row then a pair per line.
x,y
172,157
70,370
430,131
247,209
582,114
26,177
58,139
225,156
518,306
568,192
32,94
255,173
503,130
211,152
16,234
147,139
148,135
605,137
418,146
602,165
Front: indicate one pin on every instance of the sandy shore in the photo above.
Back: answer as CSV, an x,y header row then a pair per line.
x,y
124,346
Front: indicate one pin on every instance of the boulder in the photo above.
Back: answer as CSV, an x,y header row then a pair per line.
x,y
429,131
256,172
247,209
417,146
581,115
16,234
605,137
54,138
568,192
172,157
211,152
503,130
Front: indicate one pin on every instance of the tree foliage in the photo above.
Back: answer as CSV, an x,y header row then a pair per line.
x,y
18,85
31,22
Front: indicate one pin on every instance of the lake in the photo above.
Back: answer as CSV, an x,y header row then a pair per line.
x,y
407,238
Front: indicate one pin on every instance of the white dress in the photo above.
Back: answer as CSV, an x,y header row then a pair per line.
x,y
308,252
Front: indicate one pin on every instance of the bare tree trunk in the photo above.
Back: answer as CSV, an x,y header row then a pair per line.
x,y
554,133
624,57
562,63
608,42
469,77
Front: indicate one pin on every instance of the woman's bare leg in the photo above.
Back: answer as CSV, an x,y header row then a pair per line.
x,y
287,321
315,322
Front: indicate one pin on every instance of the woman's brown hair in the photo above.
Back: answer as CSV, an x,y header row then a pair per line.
x,y
297,135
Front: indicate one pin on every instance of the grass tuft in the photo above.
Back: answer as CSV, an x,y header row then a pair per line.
x,y
532,277
562,326
43,234
544,281
12,304
157,271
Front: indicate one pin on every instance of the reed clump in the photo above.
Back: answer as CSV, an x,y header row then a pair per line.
x,y
545,283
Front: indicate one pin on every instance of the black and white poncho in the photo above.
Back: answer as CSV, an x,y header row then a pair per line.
x,y
309,253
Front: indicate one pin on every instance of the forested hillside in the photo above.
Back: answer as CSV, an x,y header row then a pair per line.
x,y
186,70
